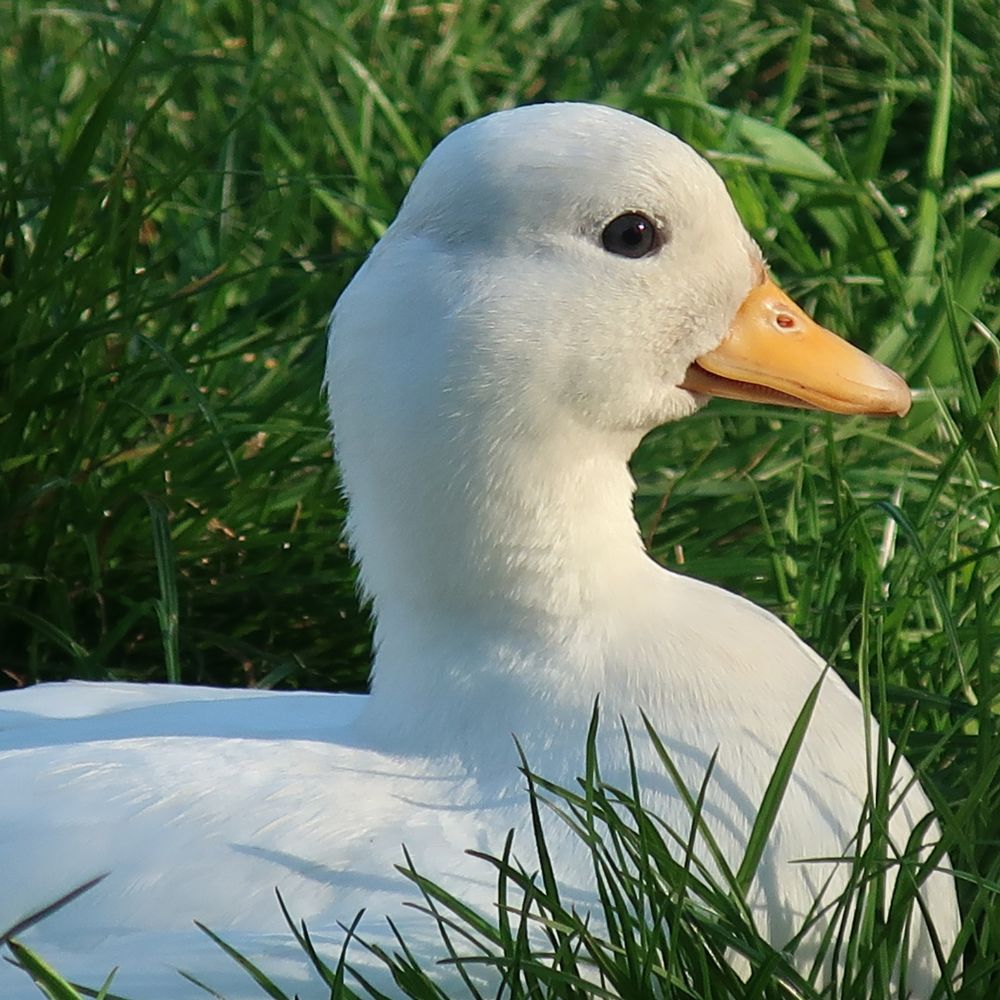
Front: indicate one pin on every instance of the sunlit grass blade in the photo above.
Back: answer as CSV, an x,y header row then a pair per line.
x,y
767,811
266,984
49,982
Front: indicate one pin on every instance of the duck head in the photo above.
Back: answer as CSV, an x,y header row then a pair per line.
x,y
559,280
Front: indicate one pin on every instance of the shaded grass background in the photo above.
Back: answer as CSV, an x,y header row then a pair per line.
x,y
185,190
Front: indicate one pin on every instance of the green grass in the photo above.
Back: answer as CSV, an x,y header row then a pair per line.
x,y
182,198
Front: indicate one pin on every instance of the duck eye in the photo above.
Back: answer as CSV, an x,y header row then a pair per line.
x,y
631,235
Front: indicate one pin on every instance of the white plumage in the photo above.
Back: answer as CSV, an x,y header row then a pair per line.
x,y
491,368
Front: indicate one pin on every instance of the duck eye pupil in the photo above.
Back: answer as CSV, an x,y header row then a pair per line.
x,y
630,235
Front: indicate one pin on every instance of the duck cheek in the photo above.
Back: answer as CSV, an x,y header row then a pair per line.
x,y
697,300
632,382
625,395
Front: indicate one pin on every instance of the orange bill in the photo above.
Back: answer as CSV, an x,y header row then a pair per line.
x,y
774,353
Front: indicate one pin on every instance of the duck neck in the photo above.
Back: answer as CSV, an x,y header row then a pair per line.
x,y
508,559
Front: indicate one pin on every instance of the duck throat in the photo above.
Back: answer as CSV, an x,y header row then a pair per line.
x,y
492,551
542,527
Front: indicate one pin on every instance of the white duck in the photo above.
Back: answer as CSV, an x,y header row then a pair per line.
x,y
559,280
